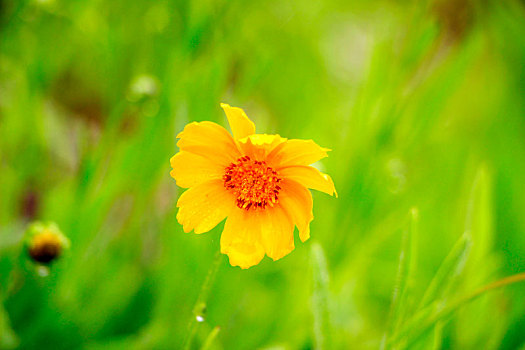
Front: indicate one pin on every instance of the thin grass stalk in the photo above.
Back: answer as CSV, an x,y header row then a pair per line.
x,y
199,310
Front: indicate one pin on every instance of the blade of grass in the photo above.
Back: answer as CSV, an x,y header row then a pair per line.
x,y
477,228
436,312
405,276
438,336
479,214
320,298
481,265
211,337
449,271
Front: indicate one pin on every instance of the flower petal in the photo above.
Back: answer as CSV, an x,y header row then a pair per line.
x,y
257,146
297,201
203,206
310,177
209,140
241,238
296,152
276,232
240,124
190,169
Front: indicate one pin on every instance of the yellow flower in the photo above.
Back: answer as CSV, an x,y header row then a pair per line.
x,y
259,182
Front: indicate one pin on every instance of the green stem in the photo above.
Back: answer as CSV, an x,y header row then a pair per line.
x,y
199,309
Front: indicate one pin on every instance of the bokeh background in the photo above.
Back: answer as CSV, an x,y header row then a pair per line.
x,y
422,102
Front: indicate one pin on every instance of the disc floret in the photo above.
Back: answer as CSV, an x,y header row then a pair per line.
x,y
253,182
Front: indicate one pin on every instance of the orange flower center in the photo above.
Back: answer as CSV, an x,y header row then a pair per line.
x,y
255,184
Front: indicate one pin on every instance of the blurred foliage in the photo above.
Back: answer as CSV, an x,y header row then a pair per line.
x,y
422,103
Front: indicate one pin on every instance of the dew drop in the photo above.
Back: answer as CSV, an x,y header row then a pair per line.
x,y
42,271
199,318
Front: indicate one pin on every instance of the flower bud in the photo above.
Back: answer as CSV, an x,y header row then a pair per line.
x,y
45,242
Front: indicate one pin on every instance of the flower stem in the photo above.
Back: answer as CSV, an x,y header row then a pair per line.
x,y
199,310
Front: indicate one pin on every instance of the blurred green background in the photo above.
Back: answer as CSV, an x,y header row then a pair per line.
x,y
422,102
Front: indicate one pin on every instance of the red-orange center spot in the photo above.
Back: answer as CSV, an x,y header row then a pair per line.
x,y
254,183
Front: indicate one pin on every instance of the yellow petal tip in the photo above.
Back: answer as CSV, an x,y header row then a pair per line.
x,y
240,124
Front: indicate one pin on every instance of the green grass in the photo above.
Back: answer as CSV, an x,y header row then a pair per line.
x,y
422,103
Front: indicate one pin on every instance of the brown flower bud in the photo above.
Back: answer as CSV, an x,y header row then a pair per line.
x,y
45,242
